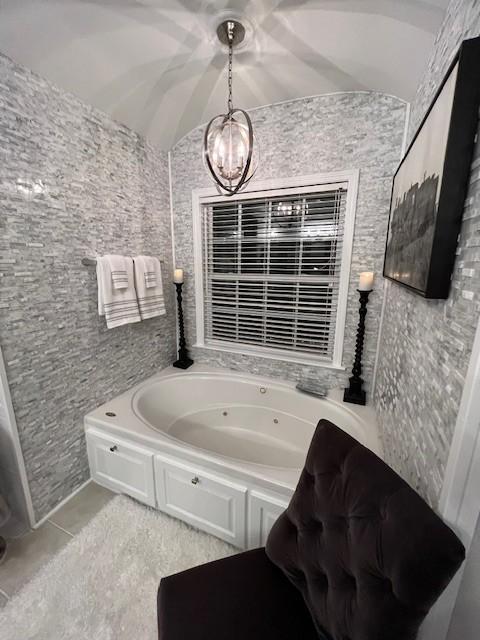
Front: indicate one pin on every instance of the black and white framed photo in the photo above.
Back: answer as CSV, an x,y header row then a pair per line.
x,y
430,185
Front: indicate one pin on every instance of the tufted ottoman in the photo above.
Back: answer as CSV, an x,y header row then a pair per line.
x,y
357,555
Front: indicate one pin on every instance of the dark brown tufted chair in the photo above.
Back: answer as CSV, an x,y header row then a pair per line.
x,y
358,555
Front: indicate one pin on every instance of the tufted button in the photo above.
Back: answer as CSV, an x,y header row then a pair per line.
x,y
350,581
321,580
383,512
297,575
341,523
311,526
388,586
309,476
318,524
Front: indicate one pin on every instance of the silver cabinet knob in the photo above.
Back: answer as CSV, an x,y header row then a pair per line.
x,y
195,480
114,448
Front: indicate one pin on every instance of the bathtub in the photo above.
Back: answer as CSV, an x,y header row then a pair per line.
x,y
219,449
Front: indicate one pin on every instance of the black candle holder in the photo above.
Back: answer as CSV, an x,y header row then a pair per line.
x,y
3,547
184,361
354,393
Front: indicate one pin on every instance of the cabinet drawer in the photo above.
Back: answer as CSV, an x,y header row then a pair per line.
x,y
263,511
121,466
204,500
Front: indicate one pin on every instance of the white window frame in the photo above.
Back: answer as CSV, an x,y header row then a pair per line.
x,y
270,188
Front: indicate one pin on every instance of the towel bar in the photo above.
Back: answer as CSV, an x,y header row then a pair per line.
x,y
91,262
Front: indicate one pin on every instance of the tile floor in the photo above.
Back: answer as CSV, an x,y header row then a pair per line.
x,y
27,554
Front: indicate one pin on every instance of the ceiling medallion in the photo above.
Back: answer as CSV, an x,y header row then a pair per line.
x,y
228,144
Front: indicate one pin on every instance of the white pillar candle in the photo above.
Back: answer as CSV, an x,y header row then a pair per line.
x,y
366,281
178,276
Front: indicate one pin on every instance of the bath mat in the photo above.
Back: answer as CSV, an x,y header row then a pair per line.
x,y
103,584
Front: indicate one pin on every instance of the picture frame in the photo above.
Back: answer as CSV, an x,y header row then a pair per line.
x,y
431,182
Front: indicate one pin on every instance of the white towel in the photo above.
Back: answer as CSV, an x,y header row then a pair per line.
x,y
119,306
151,276
118,269
150,299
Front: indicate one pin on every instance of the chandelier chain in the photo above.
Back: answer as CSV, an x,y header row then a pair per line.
x,y
230,64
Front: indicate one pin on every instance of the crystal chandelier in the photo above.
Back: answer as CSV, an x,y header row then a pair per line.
x,y
228,145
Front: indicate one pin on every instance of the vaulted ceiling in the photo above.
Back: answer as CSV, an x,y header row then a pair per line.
x,y
157,66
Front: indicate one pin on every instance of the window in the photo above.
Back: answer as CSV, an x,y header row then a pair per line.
x,y
272,271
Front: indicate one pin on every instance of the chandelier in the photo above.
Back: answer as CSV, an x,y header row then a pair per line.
x,y
228,144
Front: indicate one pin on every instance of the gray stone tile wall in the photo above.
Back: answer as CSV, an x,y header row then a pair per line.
x,y
336,132
73,183
426,344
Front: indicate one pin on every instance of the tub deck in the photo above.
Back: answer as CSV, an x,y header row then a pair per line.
x,y
230,475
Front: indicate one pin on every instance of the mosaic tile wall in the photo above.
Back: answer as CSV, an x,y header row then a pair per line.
x,y
425,346
327,133
73,183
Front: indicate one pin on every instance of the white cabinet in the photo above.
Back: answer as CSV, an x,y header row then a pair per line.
x,y
206,501
263,510
121,466
239,512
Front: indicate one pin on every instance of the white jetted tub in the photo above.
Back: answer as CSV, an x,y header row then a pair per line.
x,y
219,449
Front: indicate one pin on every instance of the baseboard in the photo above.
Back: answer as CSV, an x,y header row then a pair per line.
x,y
61,504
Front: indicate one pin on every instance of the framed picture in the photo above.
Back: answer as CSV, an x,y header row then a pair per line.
x,y
430,185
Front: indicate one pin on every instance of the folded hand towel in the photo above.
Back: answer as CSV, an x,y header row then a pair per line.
x,y
119,306
150,299
118,269
150,271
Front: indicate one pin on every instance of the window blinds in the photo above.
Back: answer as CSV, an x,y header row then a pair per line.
x,y
272,270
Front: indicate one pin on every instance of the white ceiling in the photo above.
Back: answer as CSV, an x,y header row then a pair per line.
x,y
156,65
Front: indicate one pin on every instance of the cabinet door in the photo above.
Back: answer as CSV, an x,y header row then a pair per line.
x,y
121,466
204,500
263,511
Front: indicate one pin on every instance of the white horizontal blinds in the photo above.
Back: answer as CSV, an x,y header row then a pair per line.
x,y
272,270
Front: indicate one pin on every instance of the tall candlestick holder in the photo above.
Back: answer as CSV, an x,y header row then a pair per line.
x,y
184,361
3,547
354,393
